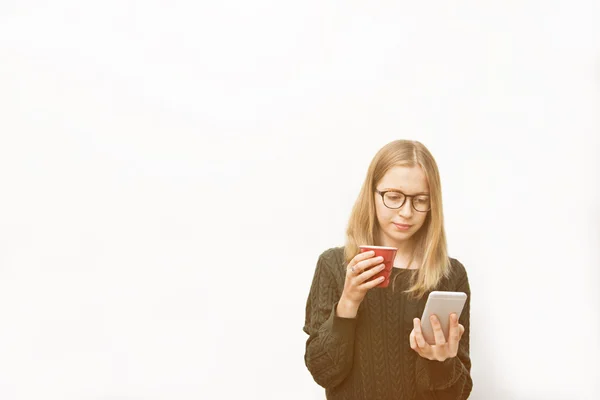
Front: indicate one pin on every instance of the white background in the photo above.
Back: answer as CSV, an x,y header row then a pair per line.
x,y
171,170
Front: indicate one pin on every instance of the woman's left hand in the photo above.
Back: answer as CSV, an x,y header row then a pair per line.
x,y
443,349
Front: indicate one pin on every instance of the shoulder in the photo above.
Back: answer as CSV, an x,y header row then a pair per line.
x,y
333,256
333,261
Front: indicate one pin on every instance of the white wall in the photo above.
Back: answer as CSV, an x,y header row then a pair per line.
x,y
171,170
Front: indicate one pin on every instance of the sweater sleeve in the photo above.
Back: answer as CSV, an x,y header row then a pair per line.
x,y
450,379
330,345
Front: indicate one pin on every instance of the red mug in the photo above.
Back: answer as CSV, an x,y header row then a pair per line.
x,y
388,254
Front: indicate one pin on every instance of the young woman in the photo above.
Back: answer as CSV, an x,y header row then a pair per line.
x,y
366,342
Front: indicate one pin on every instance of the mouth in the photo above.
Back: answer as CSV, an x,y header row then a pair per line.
x,y
402,227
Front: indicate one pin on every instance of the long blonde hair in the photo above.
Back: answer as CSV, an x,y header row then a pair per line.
x,y
430,241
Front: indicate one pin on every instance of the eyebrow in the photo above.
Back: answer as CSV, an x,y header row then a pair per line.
x,y
398,190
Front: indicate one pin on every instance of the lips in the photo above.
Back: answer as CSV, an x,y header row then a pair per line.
x,y
404,226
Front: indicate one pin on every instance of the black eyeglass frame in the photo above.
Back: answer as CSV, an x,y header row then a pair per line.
x,y
412,203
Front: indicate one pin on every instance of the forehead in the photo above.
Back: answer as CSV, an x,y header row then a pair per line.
x,y
406,179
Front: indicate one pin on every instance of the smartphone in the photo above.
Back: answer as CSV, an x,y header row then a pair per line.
x,y
442,304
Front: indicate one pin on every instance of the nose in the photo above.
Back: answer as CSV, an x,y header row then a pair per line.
x,y
406,211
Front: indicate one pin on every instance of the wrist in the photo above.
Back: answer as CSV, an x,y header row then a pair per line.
x,y
347,308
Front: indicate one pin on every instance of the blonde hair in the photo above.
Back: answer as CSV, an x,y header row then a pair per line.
x,y
430,246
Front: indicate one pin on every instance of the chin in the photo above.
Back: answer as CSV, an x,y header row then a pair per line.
x,y
400,234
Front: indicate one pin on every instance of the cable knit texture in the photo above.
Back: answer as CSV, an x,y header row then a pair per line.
x,y
369,357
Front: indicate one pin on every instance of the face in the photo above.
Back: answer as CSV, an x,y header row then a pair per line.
x,y
410,181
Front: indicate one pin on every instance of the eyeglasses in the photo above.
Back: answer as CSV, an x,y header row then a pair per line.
x,y
395,199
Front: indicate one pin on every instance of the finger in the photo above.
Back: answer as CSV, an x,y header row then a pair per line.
x,y
462,330
371,284
362,261
368,264
358,258
454,334
438,334
413,343
363,256
419,334
368,274
411,339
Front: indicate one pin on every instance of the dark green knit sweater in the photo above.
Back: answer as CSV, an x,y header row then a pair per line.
x,y
369,357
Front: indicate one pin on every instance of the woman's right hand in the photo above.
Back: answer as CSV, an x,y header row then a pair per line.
x,y
360,269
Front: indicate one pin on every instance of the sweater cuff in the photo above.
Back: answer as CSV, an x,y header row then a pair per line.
x,y
436,375
339,327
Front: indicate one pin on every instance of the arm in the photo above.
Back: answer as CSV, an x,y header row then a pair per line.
x,y
330,345
450,379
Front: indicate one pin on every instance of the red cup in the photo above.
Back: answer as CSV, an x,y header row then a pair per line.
x,y
388,254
